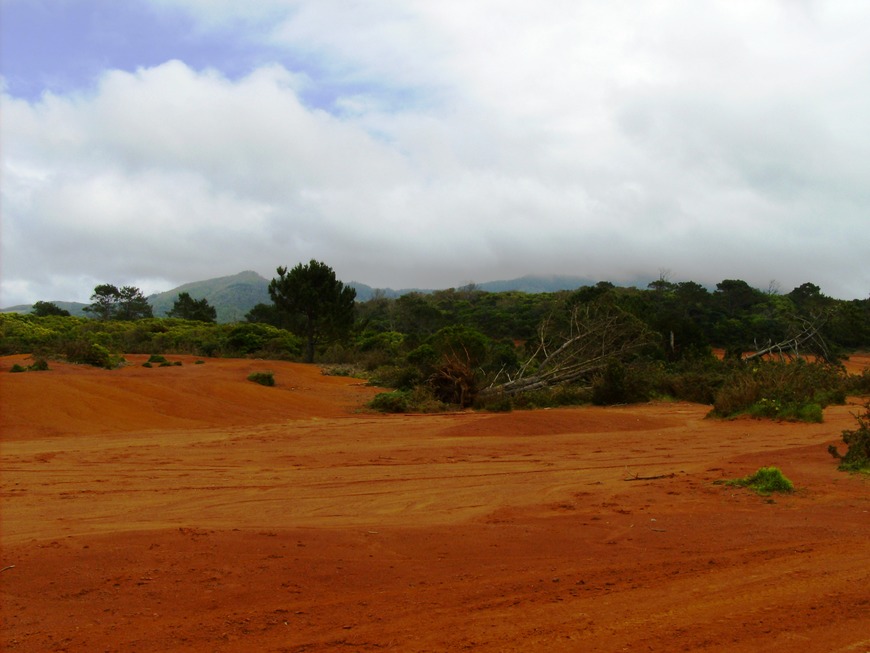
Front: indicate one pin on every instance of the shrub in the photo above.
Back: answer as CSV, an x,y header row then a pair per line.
x,y
157,358
857,441
418,400
554,397
697,381
859,384
90,353
401,377
498,403
39,365
765,481
620,384
263,378
781,390
391,402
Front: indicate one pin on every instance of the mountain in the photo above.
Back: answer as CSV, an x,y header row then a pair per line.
x,y
235,295
74,308
528,284
232,297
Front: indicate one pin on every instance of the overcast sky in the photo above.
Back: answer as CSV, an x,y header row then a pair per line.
x,y
433,143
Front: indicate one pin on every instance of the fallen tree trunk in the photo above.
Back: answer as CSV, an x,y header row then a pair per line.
x,y
595,335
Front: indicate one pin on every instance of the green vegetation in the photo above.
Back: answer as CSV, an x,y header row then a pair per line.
x,y
857,441
111,303
43,309
187,308
795,391
38,365
465,347
263,378
764,482
74,338
312,302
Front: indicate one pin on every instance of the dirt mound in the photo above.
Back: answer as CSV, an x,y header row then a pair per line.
x,y
185,508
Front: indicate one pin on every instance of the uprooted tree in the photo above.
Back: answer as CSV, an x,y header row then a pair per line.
x,y
803,336
595,334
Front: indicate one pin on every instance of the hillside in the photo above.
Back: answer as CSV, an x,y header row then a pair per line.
x,y
233,296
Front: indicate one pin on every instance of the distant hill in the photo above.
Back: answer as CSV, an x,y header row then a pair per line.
x,y
232,297
74,308
235,295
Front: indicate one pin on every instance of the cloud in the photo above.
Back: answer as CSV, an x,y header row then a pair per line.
x,y
431,144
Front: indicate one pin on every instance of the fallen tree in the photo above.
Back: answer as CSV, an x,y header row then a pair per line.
x,y
596,334
803,337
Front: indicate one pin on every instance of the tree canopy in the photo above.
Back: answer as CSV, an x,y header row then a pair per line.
x,y
313,303
111,303
188,308
43,309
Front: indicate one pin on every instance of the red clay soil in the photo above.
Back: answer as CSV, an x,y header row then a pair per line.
x,y
188,509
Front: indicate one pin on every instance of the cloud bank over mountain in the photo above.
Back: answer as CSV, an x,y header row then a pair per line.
x,y
432,144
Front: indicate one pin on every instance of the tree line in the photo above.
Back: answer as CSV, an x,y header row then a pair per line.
x,y
464,345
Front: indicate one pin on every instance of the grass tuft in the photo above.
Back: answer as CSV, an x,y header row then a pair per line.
x,y
764,482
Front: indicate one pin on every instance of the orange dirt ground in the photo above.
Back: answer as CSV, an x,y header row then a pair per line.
x,y
188,509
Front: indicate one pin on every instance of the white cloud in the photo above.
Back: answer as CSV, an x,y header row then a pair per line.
x,y
463,141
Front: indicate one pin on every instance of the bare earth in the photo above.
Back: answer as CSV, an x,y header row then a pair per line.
x,y
188,509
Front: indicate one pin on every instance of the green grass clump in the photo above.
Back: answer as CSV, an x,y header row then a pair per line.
x,y
765,481
263,378
157,358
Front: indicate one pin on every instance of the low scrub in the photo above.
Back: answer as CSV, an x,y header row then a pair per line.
x,y
38,365
857,441
555,397
795,391
417,400
91,353
263,378
764,482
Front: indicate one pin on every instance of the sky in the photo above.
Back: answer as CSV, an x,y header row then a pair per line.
x,y
432,144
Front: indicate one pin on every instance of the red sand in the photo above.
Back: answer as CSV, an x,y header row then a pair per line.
x,y
187,509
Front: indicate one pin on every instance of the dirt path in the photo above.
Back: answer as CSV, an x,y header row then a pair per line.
x,y
187,509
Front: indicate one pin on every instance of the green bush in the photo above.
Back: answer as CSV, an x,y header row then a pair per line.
x,y
396,401
765,481
859,384
263,378
621,384
417,400
90,353
497,403
555,397
39,365
857,441
781,390
400,377
157,358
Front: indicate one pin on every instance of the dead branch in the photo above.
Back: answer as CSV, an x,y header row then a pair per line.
x,y
636,477
803,333
595,335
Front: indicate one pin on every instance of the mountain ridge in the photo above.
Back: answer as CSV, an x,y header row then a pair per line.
x,y
234,295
